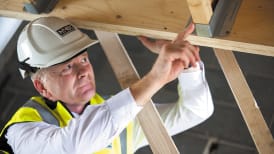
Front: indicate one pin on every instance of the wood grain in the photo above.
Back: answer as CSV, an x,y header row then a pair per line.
x,y
200,10
253,31
251,113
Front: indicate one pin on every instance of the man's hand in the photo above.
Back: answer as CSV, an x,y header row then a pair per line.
x,y
174,56
152,44
155,45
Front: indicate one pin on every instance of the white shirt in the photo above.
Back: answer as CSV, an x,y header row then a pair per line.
x,y
98,125
193,107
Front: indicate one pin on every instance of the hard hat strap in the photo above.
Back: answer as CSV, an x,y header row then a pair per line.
x,y
25,66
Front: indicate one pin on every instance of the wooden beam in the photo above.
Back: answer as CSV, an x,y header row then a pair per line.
x,y
200,10
162,19
149,119
251,113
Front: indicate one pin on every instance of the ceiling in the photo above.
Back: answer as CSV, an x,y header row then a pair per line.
x,y
225,128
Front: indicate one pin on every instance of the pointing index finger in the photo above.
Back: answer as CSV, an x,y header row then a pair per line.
x,y
183,35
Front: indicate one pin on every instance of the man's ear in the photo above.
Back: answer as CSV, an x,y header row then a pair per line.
x,y
39,86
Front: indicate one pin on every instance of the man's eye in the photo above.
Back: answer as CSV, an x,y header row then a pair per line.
x,y
67,68
84,60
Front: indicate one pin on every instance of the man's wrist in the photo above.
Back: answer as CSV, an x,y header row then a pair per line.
x,y
193,69
144,89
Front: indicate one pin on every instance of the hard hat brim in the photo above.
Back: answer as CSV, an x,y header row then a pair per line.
x,y
71,52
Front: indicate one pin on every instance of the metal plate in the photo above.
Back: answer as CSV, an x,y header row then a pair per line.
x,y
222,19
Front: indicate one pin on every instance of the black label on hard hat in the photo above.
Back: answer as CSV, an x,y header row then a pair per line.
x,y
65,30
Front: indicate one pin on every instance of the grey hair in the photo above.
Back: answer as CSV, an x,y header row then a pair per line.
x,y
39,75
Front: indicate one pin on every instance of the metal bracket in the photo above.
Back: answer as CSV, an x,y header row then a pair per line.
x,y
39,6
222,19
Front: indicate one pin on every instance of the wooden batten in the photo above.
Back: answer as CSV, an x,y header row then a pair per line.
x,y
252,32
251,113
200,10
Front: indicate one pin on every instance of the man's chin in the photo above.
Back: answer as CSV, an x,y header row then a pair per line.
x,y
87,95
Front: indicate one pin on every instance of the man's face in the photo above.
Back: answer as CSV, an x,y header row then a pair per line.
x,y
71,82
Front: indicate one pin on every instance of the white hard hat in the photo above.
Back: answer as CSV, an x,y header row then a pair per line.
x,y
47,41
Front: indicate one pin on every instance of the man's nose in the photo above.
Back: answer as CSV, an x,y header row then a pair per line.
x,y
82,71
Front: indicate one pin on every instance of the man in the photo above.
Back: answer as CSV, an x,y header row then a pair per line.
x,y
70,117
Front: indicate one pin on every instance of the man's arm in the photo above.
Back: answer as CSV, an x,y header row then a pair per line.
x,y
195,103
194,106
88,133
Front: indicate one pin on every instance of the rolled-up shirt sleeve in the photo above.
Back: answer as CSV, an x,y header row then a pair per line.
x,y
88,133
194,106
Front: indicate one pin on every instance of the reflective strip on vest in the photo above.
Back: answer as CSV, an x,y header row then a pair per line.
x,y
44,113
3,152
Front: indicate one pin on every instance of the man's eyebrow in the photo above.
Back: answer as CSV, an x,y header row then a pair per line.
x,y
69,60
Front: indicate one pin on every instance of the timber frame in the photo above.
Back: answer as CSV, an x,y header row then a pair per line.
x,y
253,32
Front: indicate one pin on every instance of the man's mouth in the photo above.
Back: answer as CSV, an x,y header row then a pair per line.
x,y
85,87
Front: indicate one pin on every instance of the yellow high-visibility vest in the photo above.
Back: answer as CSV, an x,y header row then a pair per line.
x,y
37,109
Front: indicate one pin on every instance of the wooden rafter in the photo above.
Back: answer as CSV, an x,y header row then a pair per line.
x,y
200,10
251,113
162,19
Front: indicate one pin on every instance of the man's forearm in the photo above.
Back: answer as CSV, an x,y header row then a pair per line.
x,y
144,89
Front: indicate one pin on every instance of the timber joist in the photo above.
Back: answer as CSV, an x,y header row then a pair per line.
x,y
252,31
